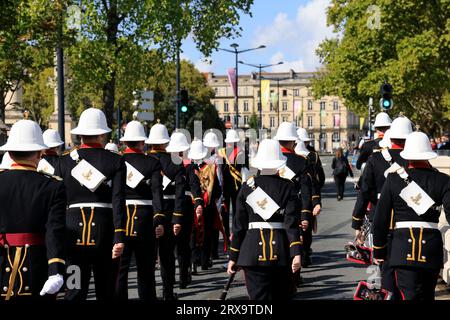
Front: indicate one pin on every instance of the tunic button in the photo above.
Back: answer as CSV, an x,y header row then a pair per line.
x,y
409,256
423,242
93,241
24,269
5,288
6,246
409,240
275,256
273,242
8,269
260,243
80,224
93,224
260,257
27,246
135,218
423,257
134,232
27,288
78,240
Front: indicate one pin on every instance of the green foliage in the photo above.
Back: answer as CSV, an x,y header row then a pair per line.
x,y
253,122
410,50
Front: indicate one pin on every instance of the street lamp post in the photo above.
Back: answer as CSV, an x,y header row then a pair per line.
x,y
260,67
236,80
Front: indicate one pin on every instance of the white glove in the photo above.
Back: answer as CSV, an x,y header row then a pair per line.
x,y
52,285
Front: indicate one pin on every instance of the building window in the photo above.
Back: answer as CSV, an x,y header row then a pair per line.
x,y
216,105
225,106
284,93
336,137
310,105
311,136
245,105
271,106
272,122
216,91
284,119
322,105
309,92
310,121
336,120
245,120
285,105
296,92
245,91
335,105
226,117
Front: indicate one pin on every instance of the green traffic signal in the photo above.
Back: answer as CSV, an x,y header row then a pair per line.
x,y
184,109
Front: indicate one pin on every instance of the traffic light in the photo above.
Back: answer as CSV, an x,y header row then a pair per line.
x,y
386,102
184,101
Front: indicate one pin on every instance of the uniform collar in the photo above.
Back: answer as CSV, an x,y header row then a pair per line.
x,y
419,165
397,146
133,150
91,146
284,150
24,165
158,150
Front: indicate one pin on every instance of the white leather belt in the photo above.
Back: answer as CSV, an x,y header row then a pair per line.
x,y
188,193
378,196
265,225
416,224
139,202
90,205
169,197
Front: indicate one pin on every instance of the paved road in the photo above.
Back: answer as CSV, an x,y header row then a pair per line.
x,y
330,277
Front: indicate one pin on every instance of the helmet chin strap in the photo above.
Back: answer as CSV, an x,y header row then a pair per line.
x,y
268,172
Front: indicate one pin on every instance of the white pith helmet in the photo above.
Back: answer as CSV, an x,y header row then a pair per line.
x,y
6,161
286,132
382,120
401,127
386,141
197,151
232,136
92,123
112,147
178,143
25,135
210,140
269,155
52,138
134,132
418,147
303,134
300,148
158,134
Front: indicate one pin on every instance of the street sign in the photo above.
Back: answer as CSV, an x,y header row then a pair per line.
x,y
145,116
147,95
147,105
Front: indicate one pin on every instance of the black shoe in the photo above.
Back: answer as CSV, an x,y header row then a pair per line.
x,y
170,297
183,285
299,281
204,268
194,271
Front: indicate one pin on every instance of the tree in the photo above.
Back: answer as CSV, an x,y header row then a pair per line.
x,y
200,95
253,123
409,48
27,38
109,28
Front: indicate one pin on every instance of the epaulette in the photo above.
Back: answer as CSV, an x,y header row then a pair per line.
x,y
65,153
251,181
48,175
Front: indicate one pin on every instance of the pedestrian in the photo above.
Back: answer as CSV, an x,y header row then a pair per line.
x,y
266,235
192,207
173,198
433,144
96,216
145,219
445,139
32,215
341,170
410,205
50,157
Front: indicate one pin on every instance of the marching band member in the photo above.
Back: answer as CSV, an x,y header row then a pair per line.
x,y
32,224
96,221
409,205
266,235
50,157
143,194
192,203
173,194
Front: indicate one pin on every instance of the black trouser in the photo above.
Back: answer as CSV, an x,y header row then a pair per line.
x,y
99,260
268,283
388,273
340,185
206,250
144,253
416,283
182,241
307,239
166,245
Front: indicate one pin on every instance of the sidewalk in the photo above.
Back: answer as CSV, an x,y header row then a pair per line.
x,y
442,291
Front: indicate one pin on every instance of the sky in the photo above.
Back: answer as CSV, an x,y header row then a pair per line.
x,y
291,30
